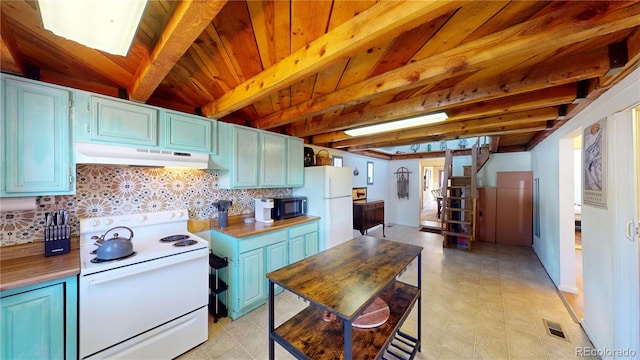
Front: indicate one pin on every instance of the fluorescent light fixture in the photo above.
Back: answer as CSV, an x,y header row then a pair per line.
x,y
105,25
398,125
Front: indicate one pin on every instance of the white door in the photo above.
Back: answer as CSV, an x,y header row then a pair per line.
x,y
627,264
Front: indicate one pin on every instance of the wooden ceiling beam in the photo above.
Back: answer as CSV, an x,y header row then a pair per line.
x,y
10,52
450,125
496,130
351,37
459,128
187,23
563,24
475,108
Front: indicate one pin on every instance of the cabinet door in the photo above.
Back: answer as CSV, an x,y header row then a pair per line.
x,y
33,324
245,169
273,160
295,163
311,244
190,133
122,123
252,274
296,249
276,258
38,156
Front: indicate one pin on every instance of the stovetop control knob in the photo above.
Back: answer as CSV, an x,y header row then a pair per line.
x,y
142,219
173,215
95,222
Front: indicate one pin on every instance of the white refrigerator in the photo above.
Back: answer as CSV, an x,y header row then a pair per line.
x,y
328,191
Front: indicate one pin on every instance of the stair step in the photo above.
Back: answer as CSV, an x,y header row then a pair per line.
x,y
459,197
458,222
459,186
459,177
458,209
451,233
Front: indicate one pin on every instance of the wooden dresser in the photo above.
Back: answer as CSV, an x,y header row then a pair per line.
x,y
367,214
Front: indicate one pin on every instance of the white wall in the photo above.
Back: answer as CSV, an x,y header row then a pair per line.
x,y
405,211
602,243
517,161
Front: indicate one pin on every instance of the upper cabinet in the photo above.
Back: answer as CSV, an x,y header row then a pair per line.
x,y
252,158
189,132
36,157
273,154
295,162
112,121
123,123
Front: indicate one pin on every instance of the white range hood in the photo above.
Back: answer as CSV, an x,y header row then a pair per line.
x,y
121,155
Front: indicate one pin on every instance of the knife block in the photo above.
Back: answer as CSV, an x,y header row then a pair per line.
x,y
57,240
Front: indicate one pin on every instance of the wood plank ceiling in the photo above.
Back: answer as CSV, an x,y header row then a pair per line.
x,y
512,70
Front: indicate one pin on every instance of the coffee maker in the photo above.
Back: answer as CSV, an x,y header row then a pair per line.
x,y
263,210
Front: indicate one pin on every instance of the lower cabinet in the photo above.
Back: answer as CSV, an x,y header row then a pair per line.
x,y
303,241
40,321
251,258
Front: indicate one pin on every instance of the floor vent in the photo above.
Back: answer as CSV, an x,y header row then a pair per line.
x,y
554,329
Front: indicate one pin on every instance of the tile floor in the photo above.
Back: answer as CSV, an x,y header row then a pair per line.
x,y
488,304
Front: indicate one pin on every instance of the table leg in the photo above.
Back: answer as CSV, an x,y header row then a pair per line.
x,y
271,321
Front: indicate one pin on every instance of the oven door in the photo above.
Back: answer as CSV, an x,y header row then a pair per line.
x,y
118,304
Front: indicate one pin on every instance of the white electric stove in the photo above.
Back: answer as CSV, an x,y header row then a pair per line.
x,y
152,304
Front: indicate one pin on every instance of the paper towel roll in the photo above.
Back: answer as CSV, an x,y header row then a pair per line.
x,y
18,203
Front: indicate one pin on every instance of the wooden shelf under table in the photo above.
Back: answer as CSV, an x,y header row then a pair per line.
x,y
344,280
307,335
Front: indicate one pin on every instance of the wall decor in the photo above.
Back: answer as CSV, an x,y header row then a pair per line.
x,y
337,161
369,173
594,165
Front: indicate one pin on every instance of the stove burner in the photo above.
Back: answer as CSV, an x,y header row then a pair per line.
x,y
185,243
173,238
95,260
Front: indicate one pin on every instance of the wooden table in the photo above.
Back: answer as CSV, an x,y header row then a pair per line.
x,y
344,280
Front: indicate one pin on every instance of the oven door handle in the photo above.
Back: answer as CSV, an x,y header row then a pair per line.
x,y
121,275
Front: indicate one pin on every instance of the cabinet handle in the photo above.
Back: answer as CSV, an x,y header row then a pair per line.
x,y
631,230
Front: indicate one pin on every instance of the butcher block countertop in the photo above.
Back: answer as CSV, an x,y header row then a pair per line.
x,y
238,229
25,264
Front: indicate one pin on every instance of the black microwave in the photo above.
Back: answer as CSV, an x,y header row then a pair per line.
x,y
284,208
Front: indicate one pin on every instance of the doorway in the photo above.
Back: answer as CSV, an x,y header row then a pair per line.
x,y
571,227
431,201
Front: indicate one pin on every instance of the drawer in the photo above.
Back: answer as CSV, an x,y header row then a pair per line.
x,y
255,242
303,229
375,205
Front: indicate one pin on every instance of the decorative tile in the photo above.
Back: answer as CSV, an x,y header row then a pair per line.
x,y
114,190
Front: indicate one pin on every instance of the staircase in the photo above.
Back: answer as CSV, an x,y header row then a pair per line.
x,y
459,197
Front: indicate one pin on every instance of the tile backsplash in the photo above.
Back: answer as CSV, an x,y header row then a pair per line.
x,y
110,190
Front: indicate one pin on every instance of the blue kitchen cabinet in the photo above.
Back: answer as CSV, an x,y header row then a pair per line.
x,y
245,157
251,292
303,241
123,123
40,321
252,257
36,157
295,162
273,160
251,158
189,132
119,122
